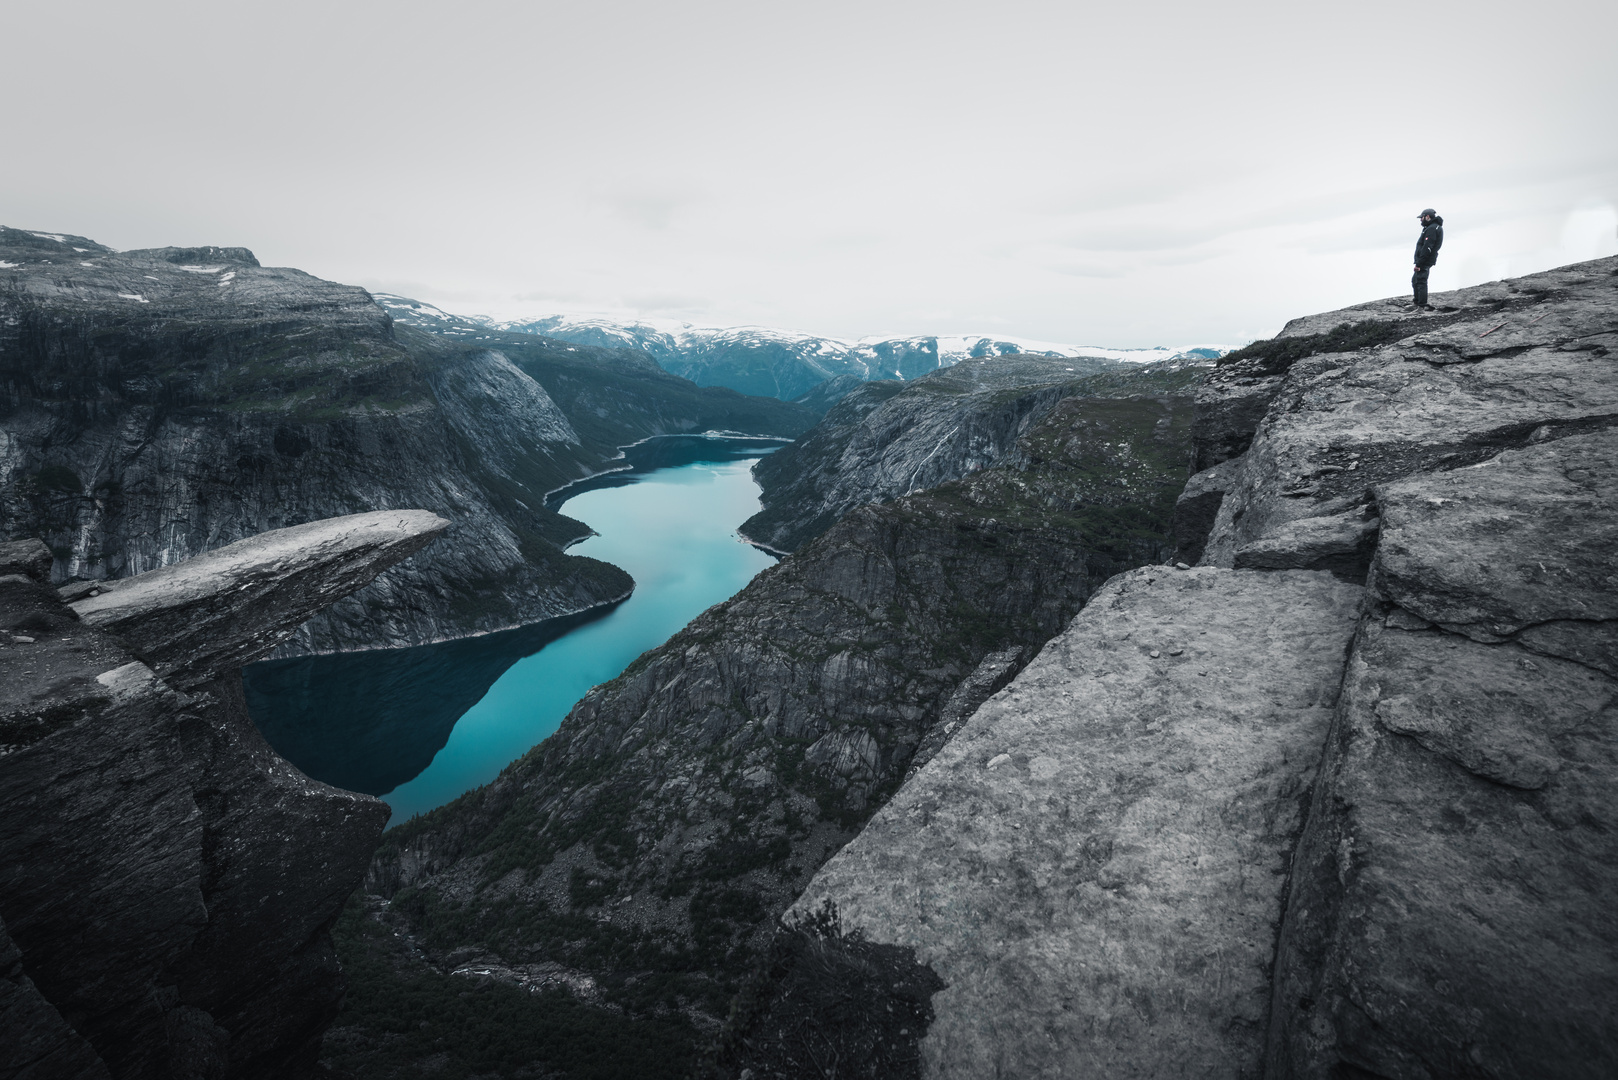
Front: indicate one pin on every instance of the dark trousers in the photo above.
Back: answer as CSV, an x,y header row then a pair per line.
x,y
1418,281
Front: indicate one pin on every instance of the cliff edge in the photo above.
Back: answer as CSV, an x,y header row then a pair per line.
x,y
167,882
1336,802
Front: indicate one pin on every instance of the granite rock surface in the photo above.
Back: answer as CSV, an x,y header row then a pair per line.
x,y
1096,863
1373,838
1450,903
193,620
1500,366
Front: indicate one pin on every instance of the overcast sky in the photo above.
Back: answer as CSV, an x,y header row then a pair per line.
x,y
1113,174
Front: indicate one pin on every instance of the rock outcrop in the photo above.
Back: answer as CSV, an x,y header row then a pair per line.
x,y
1450,914
230,606
1338,801
158,404
1096,863
167,883
646,848
888,439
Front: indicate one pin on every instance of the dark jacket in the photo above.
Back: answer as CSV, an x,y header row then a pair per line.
x,y
1432,238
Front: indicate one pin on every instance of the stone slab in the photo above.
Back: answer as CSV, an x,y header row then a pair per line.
x,y
194,619
1527,537
1341,543
1095,864
1451,914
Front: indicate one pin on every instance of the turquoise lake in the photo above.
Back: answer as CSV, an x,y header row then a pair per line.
x,y
421,726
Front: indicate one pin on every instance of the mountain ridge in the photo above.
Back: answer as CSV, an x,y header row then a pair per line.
x,y
775,362
887,439
162,402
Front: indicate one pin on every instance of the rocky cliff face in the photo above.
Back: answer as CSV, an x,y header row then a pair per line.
x,y
157,404
887,439
167,883
1336,802
641,854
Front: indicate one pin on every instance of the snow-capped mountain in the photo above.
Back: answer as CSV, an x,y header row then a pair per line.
x,y
417,313
770,362
787,363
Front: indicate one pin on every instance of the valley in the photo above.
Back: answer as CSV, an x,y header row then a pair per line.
x,y
645,850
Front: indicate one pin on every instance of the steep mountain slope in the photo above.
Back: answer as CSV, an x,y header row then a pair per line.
x,y
1336,802
822,396
640,854
887,439
161,403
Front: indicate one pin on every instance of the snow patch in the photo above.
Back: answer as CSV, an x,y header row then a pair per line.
x,y
202,269
137,297
52,236
7,265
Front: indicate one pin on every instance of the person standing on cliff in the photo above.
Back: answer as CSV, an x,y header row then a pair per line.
x,y
1432,238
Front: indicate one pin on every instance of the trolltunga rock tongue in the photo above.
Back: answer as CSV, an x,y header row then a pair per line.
x,y
231,606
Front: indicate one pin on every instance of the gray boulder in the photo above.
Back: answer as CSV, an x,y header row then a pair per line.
x,y
1197,508
1451,908
30,558
1524,539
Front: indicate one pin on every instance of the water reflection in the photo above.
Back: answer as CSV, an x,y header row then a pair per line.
x,y
371,721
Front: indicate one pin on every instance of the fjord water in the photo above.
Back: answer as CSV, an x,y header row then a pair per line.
x,y
420,726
